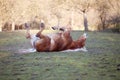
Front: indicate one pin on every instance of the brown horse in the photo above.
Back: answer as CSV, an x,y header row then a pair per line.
x,y
55,42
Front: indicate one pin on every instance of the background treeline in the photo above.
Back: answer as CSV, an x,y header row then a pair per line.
x,y
76,14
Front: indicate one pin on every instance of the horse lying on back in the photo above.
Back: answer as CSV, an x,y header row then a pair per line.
x,y
55,42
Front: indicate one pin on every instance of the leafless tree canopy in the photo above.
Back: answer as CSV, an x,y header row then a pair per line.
x,y
79,14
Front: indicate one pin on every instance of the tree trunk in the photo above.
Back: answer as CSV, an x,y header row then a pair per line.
x,y
72,19
0,28
13,26
103,22
85,22
58,23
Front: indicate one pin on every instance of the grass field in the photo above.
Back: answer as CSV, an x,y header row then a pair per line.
x,y
101,62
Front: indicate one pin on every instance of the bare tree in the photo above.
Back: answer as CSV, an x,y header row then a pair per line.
x,y
4,12
115,13
83,6
102,8
85,20
58,15
55,10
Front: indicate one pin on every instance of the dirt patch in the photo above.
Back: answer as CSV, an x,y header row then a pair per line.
x,y
26,51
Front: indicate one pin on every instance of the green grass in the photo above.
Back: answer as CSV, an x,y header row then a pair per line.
x,y
101,62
